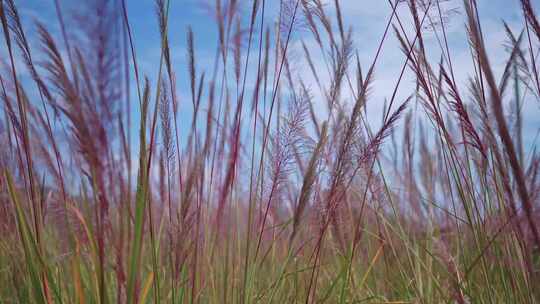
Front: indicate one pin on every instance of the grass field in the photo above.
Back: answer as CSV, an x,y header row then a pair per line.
x,y
267,177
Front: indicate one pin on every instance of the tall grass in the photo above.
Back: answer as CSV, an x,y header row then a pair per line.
x,y
276,186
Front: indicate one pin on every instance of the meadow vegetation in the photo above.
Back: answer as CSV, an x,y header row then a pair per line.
x,y
266,183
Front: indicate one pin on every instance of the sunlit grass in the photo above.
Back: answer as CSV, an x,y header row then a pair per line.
x,y
268,199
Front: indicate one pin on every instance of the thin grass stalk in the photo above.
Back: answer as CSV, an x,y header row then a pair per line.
x,y
496,103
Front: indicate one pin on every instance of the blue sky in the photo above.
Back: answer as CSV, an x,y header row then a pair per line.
x,y
366,18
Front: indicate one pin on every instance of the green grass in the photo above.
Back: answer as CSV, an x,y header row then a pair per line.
x,y
282,191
